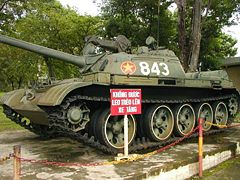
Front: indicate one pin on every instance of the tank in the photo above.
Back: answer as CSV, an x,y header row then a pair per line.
x,y
172,100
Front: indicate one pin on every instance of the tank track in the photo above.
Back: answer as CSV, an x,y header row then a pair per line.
x,y
42,131
56,117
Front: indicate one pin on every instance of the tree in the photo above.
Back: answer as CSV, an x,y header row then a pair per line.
x,y
181,6
49,24
61,29
9,12
198,21
215,50
208,18
195,36
17,67
139,19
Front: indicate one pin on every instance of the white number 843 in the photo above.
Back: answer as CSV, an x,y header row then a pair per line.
x,y
146,69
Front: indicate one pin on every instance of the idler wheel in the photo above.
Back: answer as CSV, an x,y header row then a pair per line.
x,y
205,110
184,117
220,113
158,122
110,129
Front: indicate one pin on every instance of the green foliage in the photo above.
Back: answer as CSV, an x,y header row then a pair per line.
x,y
215,49
17,67
138,19
49,24
58,28
215,45
226,166
237,119
13,10
9,11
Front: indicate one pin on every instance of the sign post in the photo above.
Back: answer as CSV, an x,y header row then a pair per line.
x,y
125,102
125,135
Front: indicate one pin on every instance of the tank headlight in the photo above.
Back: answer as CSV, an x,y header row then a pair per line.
x,y
30,94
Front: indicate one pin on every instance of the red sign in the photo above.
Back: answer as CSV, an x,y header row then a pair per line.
x,y
126,101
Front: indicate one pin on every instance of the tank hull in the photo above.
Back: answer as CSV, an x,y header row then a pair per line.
x,y
154,90
51,96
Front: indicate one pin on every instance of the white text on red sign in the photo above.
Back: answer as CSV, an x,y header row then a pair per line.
x,y
125,101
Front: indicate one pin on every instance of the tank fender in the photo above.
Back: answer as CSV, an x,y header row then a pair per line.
x,y
55,95
12,98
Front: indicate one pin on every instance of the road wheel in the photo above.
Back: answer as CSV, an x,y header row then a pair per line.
x,y
110,129
220,113
158,122
184,117
205,111
93,121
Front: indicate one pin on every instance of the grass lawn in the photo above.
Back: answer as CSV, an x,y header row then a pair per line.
x,y
5,123
237,119
226,170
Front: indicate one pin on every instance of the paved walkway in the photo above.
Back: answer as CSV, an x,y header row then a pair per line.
x,y
67,150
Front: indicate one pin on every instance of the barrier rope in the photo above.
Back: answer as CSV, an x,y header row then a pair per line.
x,y
222,126
134,158
216,125
170,145
5,158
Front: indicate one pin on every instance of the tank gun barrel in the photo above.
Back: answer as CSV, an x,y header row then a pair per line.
x,y
47,52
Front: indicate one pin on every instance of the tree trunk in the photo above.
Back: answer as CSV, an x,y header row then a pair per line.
x,y
20,80
195,37
181,5
51,73
12,83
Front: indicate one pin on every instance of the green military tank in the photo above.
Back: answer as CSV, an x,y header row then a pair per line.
x,y
172,100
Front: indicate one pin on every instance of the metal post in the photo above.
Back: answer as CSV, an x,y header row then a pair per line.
x,y
200,146
125,135
17,162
